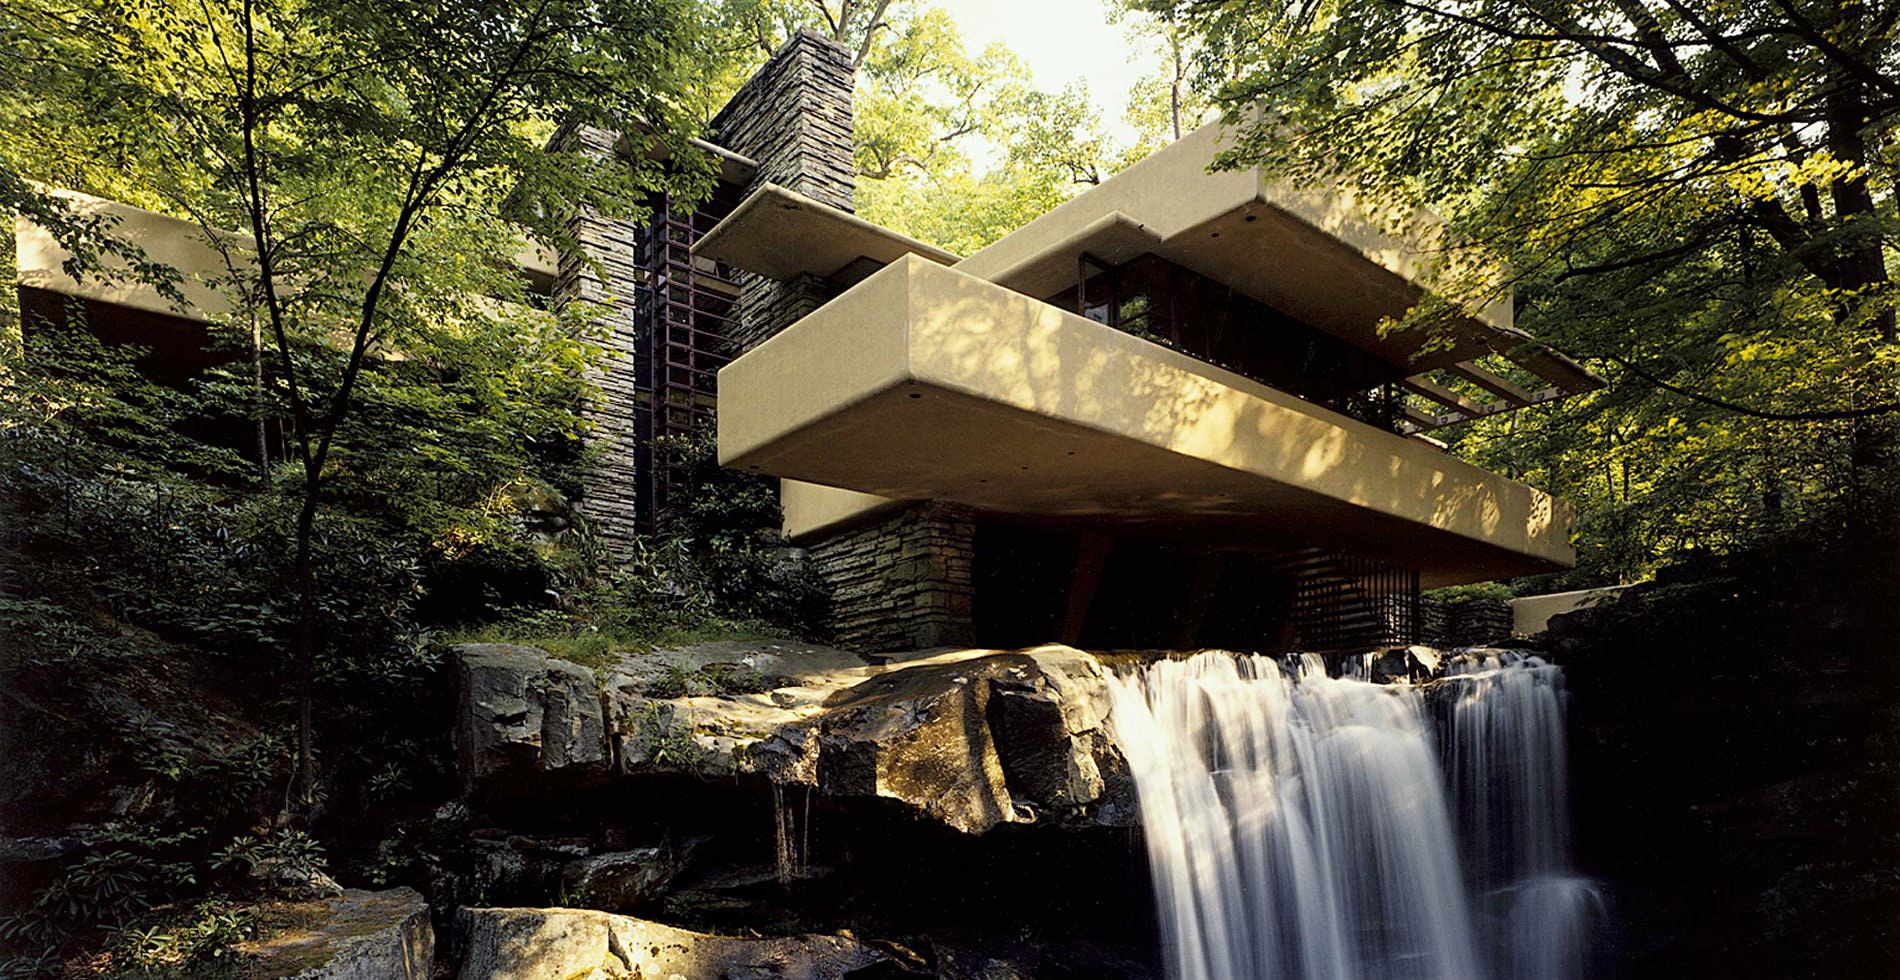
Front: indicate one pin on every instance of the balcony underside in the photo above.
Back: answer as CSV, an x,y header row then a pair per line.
x,y
926,383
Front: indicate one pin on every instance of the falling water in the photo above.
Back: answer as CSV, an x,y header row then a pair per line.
x,y
791,835
1298,824
1502,715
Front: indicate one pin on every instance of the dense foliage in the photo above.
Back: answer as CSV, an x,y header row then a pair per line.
x,y
959,147
383,447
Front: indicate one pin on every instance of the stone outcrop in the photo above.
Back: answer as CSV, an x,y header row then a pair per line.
x,y
968,738
522,714
358,935
973,743
1402,665
580,944
701,709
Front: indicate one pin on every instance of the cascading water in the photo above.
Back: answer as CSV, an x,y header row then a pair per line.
x,y
1502,718
1298,825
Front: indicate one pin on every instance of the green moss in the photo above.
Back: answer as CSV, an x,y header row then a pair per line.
x,y
670,685
733,679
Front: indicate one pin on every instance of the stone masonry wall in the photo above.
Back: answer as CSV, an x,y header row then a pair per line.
x,y
1465,622
608,486
794,119
901,583
767,306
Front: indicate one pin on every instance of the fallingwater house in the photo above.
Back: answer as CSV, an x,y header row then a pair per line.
x,y
1161,415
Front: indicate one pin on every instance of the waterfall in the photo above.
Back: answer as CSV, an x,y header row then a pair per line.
x,y
1503,723
791,836
1298,825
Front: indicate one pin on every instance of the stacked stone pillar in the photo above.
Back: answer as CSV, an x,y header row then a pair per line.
x,y
903,580
794,119
607,283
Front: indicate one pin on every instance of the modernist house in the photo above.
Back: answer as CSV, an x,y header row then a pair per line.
x,y
1161,415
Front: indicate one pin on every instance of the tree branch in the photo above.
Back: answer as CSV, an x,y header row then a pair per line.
x,y
1818,415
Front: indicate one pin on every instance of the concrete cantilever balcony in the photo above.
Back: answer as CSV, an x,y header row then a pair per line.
x,y
923,382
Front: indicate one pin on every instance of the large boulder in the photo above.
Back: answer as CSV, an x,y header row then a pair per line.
x,y
523,717
358,935
581,944
703,708
968,738
973,742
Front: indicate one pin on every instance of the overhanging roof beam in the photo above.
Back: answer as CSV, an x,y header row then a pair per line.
x,y
1449,398
1496,384
1569,376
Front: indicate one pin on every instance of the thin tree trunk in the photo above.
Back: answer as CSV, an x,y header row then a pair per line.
x,y
1174,88
257,403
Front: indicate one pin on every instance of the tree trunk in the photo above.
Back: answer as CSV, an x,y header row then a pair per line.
x,y
257,403
1174,89
1860,265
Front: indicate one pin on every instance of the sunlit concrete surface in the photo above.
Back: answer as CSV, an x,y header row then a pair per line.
x,y
200,261
811,508
1532,614
1323,255
780,234
924,382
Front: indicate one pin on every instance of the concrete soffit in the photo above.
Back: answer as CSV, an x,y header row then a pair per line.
x,y
781,234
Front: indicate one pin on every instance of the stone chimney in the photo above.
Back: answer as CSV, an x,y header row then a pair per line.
x,y
794,119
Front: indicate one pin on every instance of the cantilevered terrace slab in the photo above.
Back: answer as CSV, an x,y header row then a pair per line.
x,y
924,382
781,234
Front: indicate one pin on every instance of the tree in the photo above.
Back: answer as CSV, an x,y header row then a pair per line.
x,y
764,25
1164,106
387,160
1695,198
921,96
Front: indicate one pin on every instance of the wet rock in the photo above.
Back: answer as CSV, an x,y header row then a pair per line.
x,y
1412,664
749,897
1044,725
511,868
523,716
358,935
968,738
575,944
977,742
622,881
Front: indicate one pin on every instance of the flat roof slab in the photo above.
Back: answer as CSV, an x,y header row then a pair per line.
x,y
1321,255
781,234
